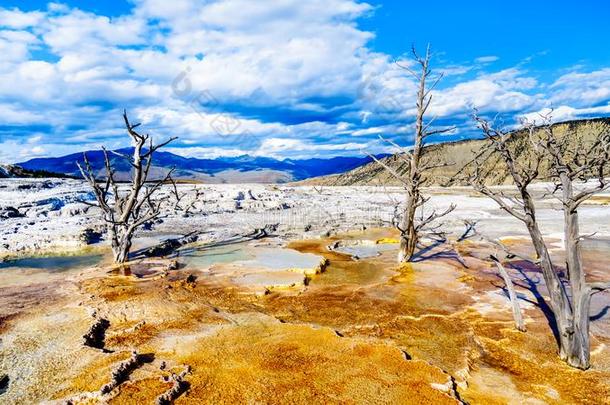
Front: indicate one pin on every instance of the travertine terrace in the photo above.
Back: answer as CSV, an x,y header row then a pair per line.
x,y
226,317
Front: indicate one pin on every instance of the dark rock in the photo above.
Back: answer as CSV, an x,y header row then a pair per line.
x,y
4,383
10,212
96,335
170,245
49,184
89,236
124,370
179,386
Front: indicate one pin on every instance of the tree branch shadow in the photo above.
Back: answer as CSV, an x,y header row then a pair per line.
x,y
603,312
428,253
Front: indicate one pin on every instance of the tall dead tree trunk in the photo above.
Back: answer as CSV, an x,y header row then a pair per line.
x,y
571,311
567,167
408,225
125,211
408,235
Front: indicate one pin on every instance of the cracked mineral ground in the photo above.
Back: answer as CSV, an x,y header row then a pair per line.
x,y
309,313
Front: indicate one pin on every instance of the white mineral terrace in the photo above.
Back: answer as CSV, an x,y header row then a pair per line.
x,y
46,216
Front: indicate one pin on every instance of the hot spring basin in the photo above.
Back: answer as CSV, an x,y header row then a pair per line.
x,y
53,263
362,249
270,267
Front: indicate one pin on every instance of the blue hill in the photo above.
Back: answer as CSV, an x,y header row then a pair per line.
x,y
193,168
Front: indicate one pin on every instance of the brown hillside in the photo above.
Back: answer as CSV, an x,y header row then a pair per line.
x,y
457,155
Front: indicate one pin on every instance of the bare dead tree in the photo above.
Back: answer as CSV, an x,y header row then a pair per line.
x,y
409,226
570,170
187,206
570,308
319,190
124,211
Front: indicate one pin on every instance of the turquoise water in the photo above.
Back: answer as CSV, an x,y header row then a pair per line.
x,y
204,257
53,263
275,258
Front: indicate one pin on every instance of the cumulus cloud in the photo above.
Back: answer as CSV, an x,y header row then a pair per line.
x,y
277,147
565,113
17,19
238,76
582,88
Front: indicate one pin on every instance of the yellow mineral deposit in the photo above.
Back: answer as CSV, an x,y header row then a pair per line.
x,y
361,331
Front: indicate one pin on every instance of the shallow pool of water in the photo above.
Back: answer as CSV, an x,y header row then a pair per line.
x,y
204,257
365,251
282,259
271,258
53,263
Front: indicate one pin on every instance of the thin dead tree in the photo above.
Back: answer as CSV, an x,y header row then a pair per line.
x,y
124,211
523,157
410,226
501,254
512,295
186,206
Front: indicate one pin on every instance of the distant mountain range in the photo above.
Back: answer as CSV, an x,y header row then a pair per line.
x,y
240,169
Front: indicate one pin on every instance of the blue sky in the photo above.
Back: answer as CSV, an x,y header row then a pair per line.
x,y
286,78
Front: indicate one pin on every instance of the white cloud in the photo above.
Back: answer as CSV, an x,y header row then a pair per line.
x,y
18,19
278,146
486,59
582,89
10,113
565,113
78,30
207,152
483,94
294,75
34,139
15,46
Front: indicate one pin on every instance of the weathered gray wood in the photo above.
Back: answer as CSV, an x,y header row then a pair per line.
x,y
411,229
512,295
571,311
125,213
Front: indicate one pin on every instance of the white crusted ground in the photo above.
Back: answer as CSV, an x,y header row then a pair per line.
x,y
42,215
